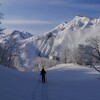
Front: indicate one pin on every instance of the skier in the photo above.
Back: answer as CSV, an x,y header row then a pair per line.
x,y
42,73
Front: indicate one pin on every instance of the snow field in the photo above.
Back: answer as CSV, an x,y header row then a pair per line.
x,y
63,82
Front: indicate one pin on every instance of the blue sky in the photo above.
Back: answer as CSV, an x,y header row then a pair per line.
x,y
40,16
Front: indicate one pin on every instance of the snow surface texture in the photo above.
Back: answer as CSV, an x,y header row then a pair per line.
x,y
66,35
63,82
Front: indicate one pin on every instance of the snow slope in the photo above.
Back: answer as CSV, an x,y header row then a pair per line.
x,y
64,82
16,85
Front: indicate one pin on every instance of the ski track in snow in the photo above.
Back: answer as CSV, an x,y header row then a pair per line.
x,y
41,91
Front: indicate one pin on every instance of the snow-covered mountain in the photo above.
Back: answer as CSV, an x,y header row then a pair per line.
x,y
66,35
70,34
21,35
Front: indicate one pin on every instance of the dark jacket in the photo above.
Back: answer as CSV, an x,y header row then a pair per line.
x,y
43,72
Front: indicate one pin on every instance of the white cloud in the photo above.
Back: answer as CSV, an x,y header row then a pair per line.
x,y
52,2
24,22
55,2
86,6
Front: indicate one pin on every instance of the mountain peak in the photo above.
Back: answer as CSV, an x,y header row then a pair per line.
x,y
79,17
22,35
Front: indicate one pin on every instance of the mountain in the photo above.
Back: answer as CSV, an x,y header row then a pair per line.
x,y
70,34
52,44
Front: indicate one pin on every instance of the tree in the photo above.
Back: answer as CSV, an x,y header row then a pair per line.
x,y
9,51
65,55
84,54
39,62
1,17
89,53
94,42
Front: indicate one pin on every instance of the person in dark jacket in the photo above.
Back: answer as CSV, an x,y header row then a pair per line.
x,y
43,72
